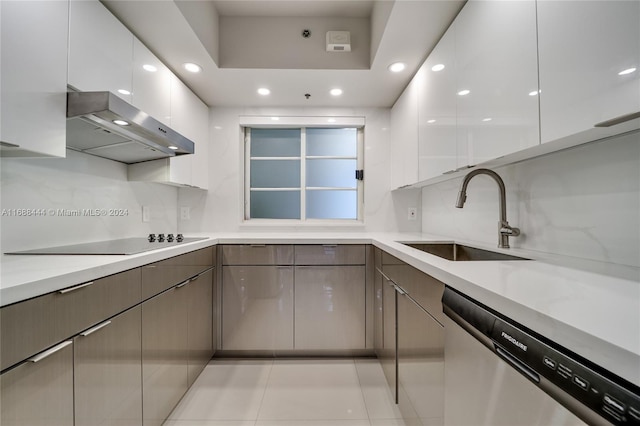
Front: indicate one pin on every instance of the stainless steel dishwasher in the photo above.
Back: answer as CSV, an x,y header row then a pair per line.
x,y
497,372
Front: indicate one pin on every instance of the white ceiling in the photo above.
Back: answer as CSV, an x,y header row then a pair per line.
x,y
181,31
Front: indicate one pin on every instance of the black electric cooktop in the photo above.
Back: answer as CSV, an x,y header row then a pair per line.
x,y
114,247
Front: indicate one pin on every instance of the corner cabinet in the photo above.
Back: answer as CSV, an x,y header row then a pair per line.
x,y
190,117
589,68
33,89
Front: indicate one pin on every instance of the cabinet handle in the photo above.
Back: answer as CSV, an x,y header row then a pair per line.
x,y
400,290
383,274
330,245
94,329
78,287
183,284
257,245
49,352
618,120
201,274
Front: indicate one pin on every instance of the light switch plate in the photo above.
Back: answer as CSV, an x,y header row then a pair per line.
x,y
146,214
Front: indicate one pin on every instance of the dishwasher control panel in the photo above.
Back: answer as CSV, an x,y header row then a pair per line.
x,y
601,391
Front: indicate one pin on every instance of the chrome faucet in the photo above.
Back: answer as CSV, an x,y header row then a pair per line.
x,y
504,230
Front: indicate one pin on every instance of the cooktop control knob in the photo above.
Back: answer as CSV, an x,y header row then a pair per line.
x,y
160,238
151,238
179,238
169,238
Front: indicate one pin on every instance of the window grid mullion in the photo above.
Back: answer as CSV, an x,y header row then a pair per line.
x,y
303,173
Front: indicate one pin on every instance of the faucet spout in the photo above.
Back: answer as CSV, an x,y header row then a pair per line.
x,y
504,229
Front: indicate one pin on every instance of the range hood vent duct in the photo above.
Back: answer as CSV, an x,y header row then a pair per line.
x,y
92,128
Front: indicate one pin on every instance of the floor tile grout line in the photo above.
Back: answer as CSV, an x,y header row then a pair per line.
x,y
364,399
264,392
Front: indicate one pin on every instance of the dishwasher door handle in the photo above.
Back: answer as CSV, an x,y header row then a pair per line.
x,y
519,365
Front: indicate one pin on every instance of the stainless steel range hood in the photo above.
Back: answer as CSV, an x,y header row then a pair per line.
x,y
92,127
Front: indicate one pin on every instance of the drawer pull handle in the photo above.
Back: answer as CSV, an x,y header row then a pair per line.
x,y
94,329
400,290
257,245
183,284
78,287
49,352
618,120
330,245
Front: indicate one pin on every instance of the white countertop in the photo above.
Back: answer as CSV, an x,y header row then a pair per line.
x,y
591,308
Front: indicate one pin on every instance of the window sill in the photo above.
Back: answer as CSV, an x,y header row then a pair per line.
x,y
307,225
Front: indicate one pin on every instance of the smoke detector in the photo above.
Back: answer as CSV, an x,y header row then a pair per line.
x,y
338,41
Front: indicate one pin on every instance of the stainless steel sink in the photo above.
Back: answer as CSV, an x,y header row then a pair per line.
x,y
459,252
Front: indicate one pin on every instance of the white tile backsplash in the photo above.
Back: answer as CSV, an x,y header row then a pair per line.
x,y
74,184
583,202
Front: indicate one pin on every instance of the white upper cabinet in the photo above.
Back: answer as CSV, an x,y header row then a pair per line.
x,y
100,50
497,79
404,136
190,117
588,50
151,84
33,85
437,109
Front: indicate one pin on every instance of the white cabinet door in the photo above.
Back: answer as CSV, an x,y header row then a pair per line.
x,y
33,78
151,84
496,64
404,137
190,116
437,109
584,46
100,50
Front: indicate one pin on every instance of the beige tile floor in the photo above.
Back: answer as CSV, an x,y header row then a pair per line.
x,y
288,392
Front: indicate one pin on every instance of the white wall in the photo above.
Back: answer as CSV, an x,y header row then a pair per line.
x,y
583,202
220,209
77,182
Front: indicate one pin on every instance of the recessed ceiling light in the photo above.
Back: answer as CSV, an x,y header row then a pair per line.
x,y
397,67
275,118
121,122
173,147
534,93
124,92
149,68
437,67
431,121
336,92
487,119
263,91
191,67
464,92
331,120
217,127
627,71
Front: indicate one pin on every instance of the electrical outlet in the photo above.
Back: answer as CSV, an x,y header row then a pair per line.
x,y
146,213
185,213
412,213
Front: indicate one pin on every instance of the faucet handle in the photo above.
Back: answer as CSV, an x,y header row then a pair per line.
x,y
506,229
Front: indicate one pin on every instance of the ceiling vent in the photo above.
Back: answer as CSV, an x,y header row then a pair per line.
x,y
338,41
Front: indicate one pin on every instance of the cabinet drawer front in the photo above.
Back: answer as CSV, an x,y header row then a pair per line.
x,y
31,326
257,254
330,254
39,393
161,275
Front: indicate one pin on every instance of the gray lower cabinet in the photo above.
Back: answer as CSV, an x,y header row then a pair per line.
x,y
39,392
107,371
330,307
200,323
164,353
257,307
412,352
420,364
378,308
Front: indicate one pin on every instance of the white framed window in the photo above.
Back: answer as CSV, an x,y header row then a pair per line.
x,y
303,173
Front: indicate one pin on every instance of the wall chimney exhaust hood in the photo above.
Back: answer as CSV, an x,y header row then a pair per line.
x,y
102,124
